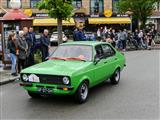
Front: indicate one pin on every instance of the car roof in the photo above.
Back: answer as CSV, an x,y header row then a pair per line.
x,y
92,43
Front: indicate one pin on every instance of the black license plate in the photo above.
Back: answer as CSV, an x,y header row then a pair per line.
x,y
45,90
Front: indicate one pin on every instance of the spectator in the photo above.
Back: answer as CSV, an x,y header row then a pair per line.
x,y
75,34
29,42
122,39
45,45
23,51
80,35
135,36
109,39
113,35
141,38
32,41
149,39
12,46
99,34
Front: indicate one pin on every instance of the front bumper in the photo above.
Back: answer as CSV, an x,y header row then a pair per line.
x,y
56,89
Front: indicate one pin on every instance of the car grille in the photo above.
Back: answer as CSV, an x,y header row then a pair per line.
x,y
49,79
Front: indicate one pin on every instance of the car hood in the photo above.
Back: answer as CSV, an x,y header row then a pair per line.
x,y
57,67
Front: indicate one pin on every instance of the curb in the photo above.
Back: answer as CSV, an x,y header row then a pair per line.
x,y
8,81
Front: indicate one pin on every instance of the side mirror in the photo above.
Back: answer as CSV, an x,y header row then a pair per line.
x,y
96,59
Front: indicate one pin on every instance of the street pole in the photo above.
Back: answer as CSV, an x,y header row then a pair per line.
x,y
131,25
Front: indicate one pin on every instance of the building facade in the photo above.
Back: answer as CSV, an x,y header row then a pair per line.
x,y
96,12
155,18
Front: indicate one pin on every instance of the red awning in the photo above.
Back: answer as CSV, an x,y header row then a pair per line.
x,y
15,14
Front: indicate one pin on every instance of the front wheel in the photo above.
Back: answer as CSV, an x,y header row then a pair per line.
x,y
82,92
115,77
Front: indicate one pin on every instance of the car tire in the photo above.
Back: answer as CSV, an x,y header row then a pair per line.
x,y
82,92
115,77
34,95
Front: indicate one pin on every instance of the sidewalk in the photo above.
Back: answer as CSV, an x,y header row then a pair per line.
x,y
5,76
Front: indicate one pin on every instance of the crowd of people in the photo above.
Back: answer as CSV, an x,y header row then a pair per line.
x,y
21,46
140,39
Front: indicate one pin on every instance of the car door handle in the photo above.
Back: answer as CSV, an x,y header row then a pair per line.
x,y
115,58
105,62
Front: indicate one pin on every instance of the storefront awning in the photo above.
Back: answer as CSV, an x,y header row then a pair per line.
x,y
52,22
109,20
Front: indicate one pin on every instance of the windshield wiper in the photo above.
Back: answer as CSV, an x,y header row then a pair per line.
x,y
75,58
57,58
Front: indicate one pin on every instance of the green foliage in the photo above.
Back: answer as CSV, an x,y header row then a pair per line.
x,y
57,8
141,9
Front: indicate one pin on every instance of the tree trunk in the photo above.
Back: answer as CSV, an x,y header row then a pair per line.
x,y
143,23
59,28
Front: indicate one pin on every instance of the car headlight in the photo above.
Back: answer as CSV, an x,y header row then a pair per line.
x,y
24,77
65,80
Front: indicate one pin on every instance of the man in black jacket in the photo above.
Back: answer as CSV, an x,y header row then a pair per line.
x,y
30,41
45,45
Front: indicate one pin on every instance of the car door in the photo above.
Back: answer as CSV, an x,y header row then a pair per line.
x,y
110,59
100,67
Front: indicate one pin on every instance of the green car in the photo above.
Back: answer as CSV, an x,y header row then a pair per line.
x,y
72,69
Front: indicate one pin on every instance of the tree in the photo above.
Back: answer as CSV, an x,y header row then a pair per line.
x,y
58,9
140,9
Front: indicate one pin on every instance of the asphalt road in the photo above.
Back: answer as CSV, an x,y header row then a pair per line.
x,y
135,97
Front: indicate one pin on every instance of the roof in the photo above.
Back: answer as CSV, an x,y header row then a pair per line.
x,y
92,43
15,15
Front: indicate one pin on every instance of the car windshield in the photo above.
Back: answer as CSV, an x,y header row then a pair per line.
x,y
73,52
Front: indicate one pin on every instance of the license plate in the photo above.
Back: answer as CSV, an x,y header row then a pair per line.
x,y
45,90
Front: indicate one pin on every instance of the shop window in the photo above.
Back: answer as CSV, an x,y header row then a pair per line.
x,y
33,3
114,7
77,3
8,4
96,7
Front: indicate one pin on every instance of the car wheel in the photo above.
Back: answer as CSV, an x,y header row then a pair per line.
x,y
115,77
34,95
82,92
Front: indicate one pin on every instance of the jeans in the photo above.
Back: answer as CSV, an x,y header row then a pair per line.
x,y
21,64
143,45
119,44
45,53
14,63
123,44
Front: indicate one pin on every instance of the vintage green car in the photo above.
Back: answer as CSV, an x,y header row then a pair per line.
x,y
73,68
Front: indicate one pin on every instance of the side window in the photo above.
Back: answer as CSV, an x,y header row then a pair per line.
x,y
107,50
99,51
